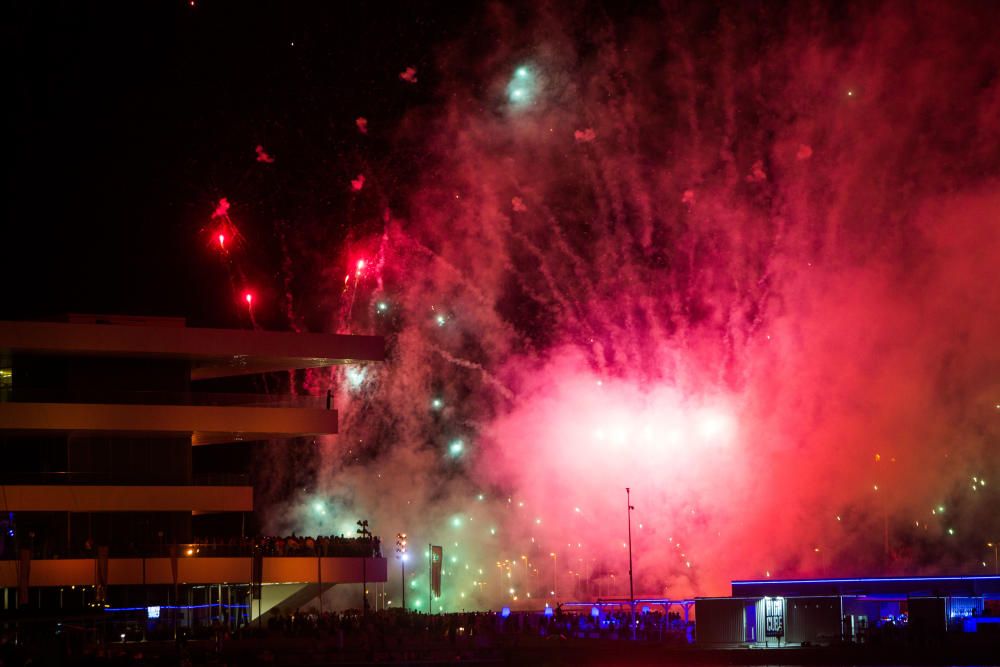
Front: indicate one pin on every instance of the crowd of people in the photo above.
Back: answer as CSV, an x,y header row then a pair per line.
x,y
308,636
408,626
323,545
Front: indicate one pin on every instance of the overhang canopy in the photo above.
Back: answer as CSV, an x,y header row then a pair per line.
x,y
212,352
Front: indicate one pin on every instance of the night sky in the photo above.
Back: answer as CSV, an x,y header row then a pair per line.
x,y
127,122
739,257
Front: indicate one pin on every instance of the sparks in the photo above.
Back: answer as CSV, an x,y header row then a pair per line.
x,y
522,87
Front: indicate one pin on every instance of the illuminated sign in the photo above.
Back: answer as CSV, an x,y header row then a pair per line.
x,y
152,612
774,617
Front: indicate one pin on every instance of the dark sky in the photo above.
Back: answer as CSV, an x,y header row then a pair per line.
x,y
128,121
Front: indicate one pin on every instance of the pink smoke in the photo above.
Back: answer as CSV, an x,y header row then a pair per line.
x,y
409,75
221,209
262,155
752,367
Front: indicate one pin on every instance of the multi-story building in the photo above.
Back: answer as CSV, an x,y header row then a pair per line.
x,y
101,495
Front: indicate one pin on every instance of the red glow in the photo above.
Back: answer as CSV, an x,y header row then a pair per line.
x,y
221,209
361,264
248,296
222,241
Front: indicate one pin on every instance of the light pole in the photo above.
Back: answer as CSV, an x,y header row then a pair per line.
x,y
526,577
555,569
996,559
366,535
631,588
401,555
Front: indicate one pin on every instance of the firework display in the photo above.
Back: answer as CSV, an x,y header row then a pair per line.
x,y
741,260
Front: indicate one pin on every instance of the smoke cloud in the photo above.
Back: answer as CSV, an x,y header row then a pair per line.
x,y
765,300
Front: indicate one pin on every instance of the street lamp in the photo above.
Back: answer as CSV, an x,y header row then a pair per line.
x,y
555,569
367,536
631,589
401,556
996,560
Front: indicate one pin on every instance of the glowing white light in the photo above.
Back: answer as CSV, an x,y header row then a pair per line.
x,y
356,376
713,425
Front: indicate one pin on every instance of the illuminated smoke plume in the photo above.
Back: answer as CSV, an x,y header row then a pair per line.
x,y
358,183
766,300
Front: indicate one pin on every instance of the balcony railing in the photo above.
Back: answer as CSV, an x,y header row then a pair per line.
x,y
325,546
196,398
118,479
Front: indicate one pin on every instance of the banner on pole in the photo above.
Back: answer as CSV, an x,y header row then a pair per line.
x,y
437,557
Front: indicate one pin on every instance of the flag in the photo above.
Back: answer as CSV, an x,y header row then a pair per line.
x,y
437,557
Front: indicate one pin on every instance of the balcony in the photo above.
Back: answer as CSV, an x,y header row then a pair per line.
x,y
179,398
83,478
193,570
205,422
333,560
93,496
212,352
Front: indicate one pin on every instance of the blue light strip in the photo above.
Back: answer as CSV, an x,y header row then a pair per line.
x,y
620,602
173,606
748,582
